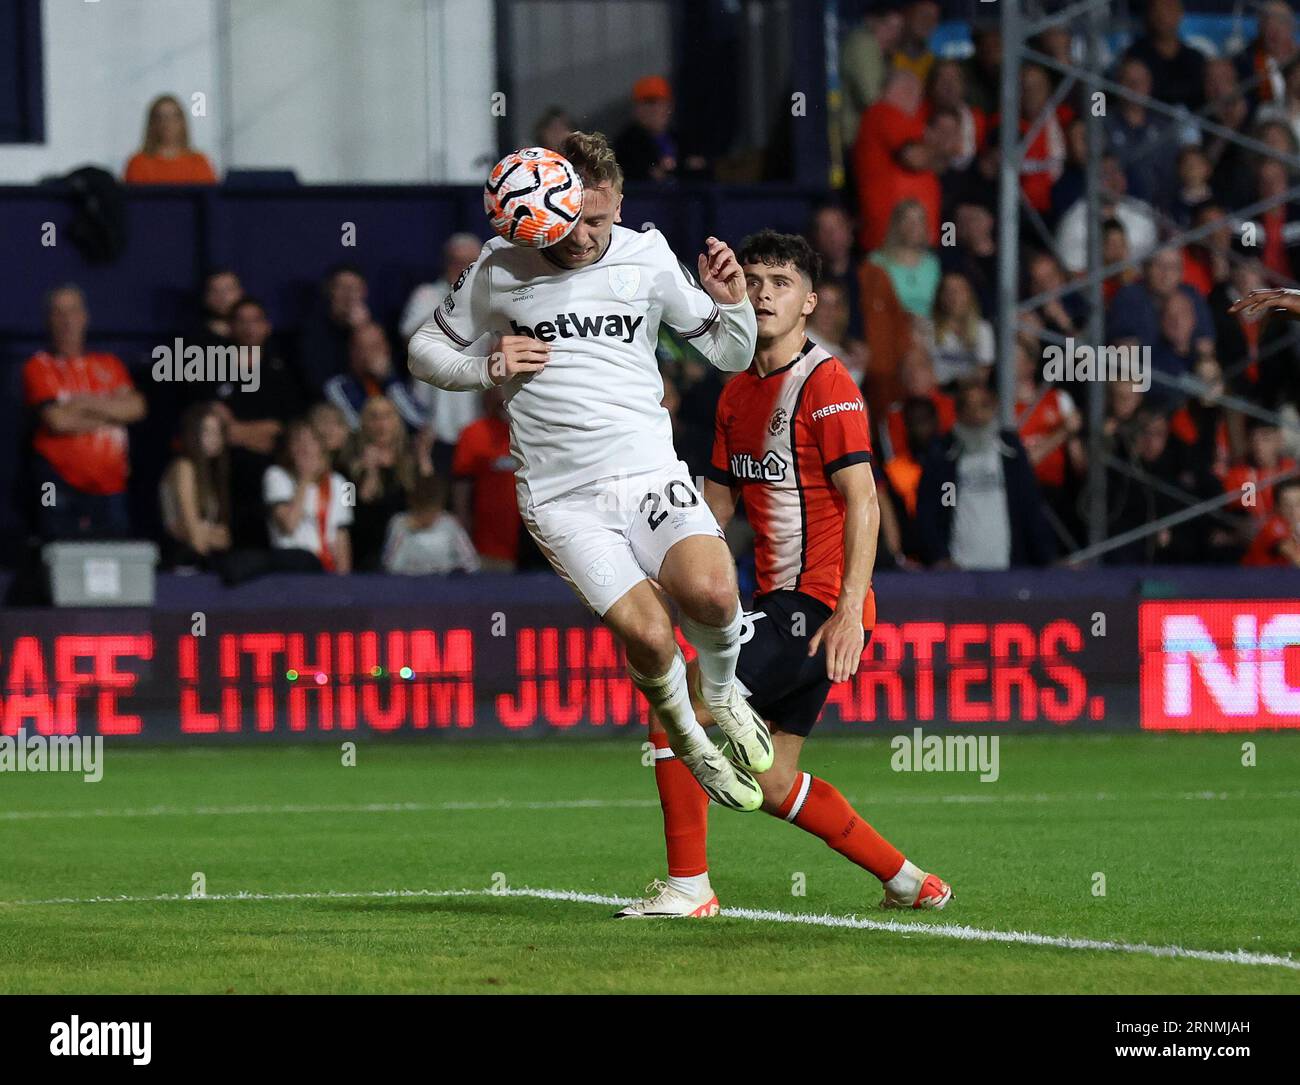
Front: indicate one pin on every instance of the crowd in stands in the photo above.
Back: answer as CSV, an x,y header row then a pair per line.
x,y
335,461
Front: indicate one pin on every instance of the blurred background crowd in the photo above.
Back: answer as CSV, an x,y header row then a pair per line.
x,y
339,462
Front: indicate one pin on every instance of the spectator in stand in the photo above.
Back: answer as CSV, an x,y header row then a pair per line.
x,y
324,347
1287,109
916,382
828,327
1177,70
378,461
1114,250
1202,423
1138,219
831,235
1192,189
81,402
550,131
891,160
332,430
888,333
428,540
221,289
913,54
1139,492
1143,141
920,422
195,491
1045,157
371,374
1278,540
647,148
1226,105
1049,424
906,255
983,68
1278,229
946,90
960,339
458,252
1249,480
1260,66
308,511
1135,312
1071,186
253,414
1175,352
1066,315
974,253
865,57
484,494
978,505
165,158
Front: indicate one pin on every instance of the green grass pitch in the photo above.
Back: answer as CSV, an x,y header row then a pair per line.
x,y
1197,852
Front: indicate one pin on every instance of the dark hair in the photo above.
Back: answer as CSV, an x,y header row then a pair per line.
x,y
341,268
247,299
772,248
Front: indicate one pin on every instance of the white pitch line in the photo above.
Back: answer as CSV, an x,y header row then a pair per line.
x,y
991,798
850,922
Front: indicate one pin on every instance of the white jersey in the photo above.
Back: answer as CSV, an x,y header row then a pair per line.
x,y
595,410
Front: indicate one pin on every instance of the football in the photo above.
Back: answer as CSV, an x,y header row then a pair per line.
x,y
533,197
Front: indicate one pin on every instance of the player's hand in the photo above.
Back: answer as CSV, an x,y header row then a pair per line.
x,y
720,273
844,640
516,355
1260,303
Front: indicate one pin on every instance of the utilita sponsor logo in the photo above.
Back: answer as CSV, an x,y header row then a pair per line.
x,y
1220,665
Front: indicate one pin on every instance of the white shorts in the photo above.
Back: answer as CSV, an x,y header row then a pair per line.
x,y
604,538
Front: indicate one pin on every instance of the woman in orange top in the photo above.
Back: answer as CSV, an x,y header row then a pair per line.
x,y
166,157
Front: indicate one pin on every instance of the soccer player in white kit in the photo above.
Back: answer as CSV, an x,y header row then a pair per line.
x,y
599,484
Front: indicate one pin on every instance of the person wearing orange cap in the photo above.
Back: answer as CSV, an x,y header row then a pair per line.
x,y
647,147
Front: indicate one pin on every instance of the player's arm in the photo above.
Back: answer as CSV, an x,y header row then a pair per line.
x,y
716,316
721,501
842,634
1278,301
437,351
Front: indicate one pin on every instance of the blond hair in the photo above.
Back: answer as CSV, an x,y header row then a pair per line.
x,y
152,135
593,158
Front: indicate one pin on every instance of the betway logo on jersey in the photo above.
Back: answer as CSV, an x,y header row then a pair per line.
x,y
837,408
1220,666
744,468
572,326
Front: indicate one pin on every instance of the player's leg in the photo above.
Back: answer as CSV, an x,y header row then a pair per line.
x,y
818,807
686,894
641,622
683,549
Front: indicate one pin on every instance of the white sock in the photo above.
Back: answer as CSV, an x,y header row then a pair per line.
x,y
718,648
694,886
907,882
670,698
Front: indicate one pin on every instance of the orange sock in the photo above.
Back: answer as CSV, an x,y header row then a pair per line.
x,y
818,808
686,812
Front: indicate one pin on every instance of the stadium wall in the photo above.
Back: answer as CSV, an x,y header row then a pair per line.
x,y
301,658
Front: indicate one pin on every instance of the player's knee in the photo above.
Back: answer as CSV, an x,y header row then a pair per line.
x,y
710,599
650,644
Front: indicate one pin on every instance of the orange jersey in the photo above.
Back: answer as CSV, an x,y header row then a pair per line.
x,y
778,440
1047,416
1264,549
94,462
191,168
483,456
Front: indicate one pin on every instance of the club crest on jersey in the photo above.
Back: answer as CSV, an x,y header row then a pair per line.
x,y
623,281
777,424
771,468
